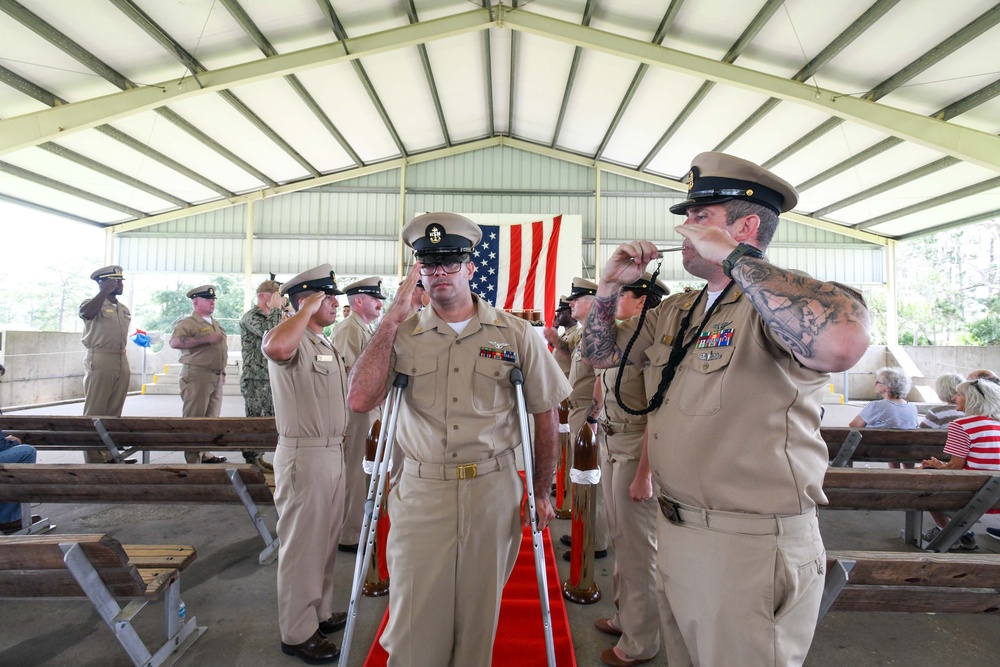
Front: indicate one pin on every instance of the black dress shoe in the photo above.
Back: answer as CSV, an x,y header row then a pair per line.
x,y
337,621
348,548
598,555
317,650
567,540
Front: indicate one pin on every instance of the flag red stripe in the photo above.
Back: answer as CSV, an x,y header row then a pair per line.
x,y
549,311
514,275
537,229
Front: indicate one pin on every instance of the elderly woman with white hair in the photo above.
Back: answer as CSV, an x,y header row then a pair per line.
x,y
973,444
939,416
893,411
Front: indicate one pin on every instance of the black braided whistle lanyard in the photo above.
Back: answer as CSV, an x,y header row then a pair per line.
x,y
677,351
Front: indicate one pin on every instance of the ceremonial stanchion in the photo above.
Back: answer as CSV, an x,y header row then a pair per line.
x,y
581,587
377,578
563,506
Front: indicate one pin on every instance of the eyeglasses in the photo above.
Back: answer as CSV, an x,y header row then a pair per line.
x,y
975,383
880,382
448,266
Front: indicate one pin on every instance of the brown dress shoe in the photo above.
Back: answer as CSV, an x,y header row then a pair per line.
x,y
609,657
337,621
604,625
317,650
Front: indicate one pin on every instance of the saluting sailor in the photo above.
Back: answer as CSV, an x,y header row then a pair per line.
x,y
106,376
456,507
308,383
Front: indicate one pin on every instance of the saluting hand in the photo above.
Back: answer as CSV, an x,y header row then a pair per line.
x,y
711,243
628,262
311,303
400,308
276,301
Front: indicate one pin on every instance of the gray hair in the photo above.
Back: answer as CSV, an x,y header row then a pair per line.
x,y
946,385
982,397
896,381
740,208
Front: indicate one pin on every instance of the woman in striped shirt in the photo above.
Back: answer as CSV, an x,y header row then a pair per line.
x,y
973,442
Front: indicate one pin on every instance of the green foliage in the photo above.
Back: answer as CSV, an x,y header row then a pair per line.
x,y
985,331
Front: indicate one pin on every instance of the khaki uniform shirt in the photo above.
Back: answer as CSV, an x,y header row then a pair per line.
x,y
616,421
108,332
210,357
581,377
253,325
460,406
570,338
350,337
738,429
310,390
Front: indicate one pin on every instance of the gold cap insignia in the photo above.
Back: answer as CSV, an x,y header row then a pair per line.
x,y
434,234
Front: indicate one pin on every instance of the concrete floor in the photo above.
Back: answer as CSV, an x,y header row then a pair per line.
x,y
235,597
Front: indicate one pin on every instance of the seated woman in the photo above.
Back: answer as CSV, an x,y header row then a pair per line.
x,y
940,415
973,443
893,411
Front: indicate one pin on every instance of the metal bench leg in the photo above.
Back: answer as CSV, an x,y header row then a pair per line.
x,y
179,637
846,450
836,579
913,528
113,450
985,498
270,551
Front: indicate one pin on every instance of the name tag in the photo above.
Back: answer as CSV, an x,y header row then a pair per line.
x,y
324,357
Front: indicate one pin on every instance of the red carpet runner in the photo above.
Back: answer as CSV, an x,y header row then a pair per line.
x,y
520,637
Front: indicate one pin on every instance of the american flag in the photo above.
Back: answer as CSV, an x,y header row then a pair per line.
x,y
517,265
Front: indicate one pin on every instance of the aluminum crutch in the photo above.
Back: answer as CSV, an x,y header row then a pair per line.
x,y
373,505
517,379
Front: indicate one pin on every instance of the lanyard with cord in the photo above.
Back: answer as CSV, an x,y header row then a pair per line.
x,y
677,351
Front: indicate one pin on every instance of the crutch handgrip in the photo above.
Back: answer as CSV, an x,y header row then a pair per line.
x,y
516,376
401,381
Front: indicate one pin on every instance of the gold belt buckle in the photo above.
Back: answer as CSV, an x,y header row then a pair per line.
x,y
467,471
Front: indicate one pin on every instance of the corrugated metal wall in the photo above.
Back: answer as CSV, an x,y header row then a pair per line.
x,y
354,224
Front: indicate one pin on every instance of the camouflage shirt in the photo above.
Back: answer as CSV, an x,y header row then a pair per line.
x,y
253,325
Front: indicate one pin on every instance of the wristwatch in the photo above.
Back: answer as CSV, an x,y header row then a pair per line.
x,y
734,256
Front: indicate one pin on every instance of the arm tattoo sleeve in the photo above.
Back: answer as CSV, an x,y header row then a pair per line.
x,y
600,336
797,308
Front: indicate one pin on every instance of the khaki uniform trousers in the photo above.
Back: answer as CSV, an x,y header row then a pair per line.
x,y
740,591
451,549
201,391
356,491
309,497
105,384
633,533
577,417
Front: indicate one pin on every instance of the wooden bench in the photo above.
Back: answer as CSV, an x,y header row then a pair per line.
x,y
123,436
883,445
91,483
967,493
101,569
911,582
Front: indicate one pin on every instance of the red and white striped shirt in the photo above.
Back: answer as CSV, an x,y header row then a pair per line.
x,y
977,440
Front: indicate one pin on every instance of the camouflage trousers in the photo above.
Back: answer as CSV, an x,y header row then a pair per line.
x,y
257,403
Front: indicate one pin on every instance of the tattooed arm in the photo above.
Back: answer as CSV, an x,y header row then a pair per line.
x,y
600,335
824,325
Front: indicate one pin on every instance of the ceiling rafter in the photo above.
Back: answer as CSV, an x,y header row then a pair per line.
x,y
34,177
940,200
488,72
933,56
954,109
513,71
588,15
962,142
411,12
359,70
239,14
755,26
169,44
852,32
640,73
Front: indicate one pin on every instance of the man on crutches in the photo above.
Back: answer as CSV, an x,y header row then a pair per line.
x,y
456,508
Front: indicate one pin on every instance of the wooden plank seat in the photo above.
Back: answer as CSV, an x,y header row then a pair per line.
x,y
89,483
912,582
101,569
123,436
883,445
967,493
